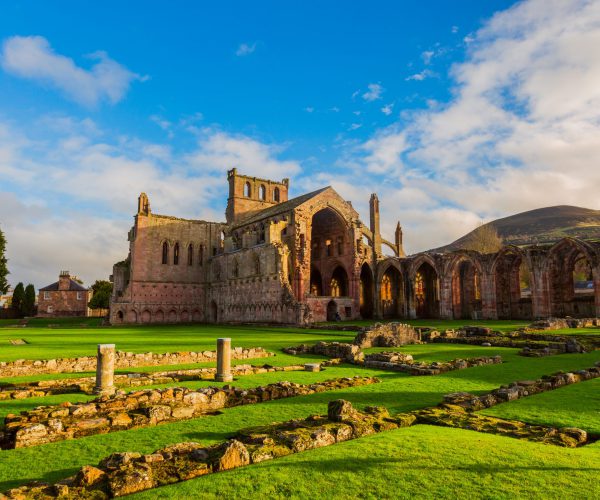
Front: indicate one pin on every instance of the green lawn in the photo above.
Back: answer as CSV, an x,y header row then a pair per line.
x,y
421,461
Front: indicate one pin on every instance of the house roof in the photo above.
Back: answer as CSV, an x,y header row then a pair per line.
x,y
280,208
73,287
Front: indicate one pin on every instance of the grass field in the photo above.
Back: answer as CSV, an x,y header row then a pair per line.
x,y
421,461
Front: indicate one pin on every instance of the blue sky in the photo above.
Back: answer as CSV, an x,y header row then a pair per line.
x,y
454,112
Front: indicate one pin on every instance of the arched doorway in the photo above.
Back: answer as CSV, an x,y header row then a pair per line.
x,y
571,281
426,292
390,293
332,311
466,290
366,292
513,285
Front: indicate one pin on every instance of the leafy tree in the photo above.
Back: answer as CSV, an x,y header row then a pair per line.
x,y
102,291
28,301
484,239
18,298
3,267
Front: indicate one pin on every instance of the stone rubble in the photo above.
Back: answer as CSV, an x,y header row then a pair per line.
x,y
387,335
46,424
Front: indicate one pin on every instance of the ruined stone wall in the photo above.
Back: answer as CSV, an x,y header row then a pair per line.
x,y
25,367
149,290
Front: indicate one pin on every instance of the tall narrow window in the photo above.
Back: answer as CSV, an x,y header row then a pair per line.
x,y
329,248
261,233
340,245
165,253
262,192
200,254
256,264
176,254
190,254
276,194
335,288
236,269
247,190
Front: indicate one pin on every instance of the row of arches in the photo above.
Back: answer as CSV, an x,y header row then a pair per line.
x,y
514,283
262,192
190,256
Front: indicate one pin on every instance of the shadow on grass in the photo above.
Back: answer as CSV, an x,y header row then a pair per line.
x,y
50,477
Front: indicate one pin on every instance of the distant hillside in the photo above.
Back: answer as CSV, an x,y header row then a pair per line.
x,y
543,225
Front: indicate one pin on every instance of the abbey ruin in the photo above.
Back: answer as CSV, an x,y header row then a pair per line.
x,y
310,259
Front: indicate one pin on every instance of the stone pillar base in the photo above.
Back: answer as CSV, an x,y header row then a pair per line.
x,y
224,378
312,367
109,391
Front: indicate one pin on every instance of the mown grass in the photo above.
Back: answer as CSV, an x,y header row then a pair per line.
x,y
417,462
398,392
422,461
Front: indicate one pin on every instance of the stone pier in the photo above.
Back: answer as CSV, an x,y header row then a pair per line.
x,y
105,370
224,360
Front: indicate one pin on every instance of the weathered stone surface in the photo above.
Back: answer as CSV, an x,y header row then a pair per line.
x,y
150,407
387,335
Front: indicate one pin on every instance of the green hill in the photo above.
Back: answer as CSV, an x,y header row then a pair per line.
x,y
542,225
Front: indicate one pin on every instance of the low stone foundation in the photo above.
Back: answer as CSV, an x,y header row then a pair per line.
x,y
520,389
25,367
561,323
126,473
86,384
399,362
457,417
46,424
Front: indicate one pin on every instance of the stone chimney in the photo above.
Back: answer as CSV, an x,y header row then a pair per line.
x,y
64,280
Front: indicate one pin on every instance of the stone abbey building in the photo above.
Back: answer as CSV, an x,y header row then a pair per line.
x,y
310,258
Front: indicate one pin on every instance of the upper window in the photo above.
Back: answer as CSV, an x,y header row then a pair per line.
x,y
165,253
262,192
247,190
190,254
176,254
79,295
46,295
276,194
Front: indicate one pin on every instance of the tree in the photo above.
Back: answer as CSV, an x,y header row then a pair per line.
x,y
18,298
102,291
484,239
28,305
3,268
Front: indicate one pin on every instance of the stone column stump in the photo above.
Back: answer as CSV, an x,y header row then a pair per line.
x,y
224,361
105,370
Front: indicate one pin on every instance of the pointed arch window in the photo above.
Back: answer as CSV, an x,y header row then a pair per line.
x,y
247,190
190,258
176,254
335,288
386,288
276,194
165,253
200,254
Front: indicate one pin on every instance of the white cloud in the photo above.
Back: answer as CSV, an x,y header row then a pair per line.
x,y
454,29
374,92
520,132
245,49
33,58
388,109
309,109
426,73
427,56
354,126
73,195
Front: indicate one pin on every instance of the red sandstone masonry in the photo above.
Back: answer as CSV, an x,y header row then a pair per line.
x,y
23,367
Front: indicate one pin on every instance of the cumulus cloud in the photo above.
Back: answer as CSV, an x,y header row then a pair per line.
x,y
73,192
388,109
373,93
422,75
520,132
32,57
245,49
